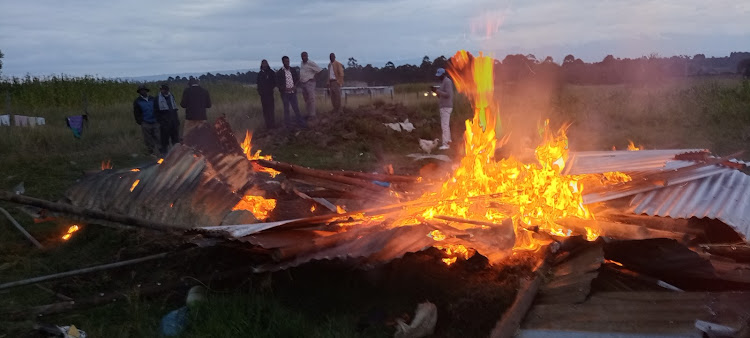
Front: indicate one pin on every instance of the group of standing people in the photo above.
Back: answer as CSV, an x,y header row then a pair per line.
x,y
160,124
288,80
158,118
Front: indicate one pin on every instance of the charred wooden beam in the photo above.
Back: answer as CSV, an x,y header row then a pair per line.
x,y
511,319
88,213
326,175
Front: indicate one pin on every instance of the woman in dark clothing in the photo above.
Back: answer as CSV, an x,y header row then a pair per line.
x,y
266,84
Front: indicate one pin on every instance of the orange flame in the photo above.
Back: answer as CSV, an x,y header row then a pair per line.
x,y
632,146
340,210
160,161
533,195
135,170
134,185
259,206
312,208
106,164
455,250
436,235
247,149
71,230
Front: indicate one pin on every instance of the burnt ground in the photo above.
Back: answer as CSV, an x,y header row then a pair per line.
x,y
470,295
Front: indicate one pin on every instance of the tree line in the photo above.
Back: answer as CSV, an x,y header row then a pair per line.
x,y
519,67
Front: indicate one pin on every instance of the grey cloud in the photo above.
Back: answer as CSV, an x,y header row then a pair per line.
x,y
138,37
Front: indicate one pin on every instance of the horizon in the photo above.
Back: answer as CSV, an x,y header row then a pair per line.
x,y
43,37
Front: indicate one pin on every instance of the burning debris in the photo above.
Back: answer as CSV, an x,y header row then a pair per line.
x,y
72,229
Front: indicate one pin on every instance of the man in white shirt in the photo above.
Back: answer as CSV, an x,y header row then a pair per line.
x,y
307,71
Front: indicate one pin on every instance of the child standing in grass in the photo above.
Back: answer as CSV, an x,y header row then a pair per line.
x,y
145,116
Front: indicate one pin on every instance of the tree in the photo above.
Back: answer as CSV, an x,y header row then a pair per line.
x,y
743,68
425,62
608,59
1,61
352,63
440,62
569,59
389,65
549,60
532,58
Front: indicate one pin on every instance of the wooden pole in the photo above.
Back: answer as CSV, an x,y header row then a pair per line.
x,y
511,320
95,214
21,229
81,271
291,168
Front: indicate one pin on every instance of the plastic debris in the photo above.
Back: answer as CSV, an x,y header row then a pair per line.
x,y
173,323
425,318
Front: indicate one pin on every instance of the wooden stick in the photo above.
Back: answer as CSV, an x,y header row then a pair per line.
x,y
155,289
81,271
21,229
511,319
376,177
291,168
94,214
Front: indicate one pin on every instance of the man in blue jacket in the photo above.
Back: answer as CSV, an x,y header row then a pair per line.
x,y
143,110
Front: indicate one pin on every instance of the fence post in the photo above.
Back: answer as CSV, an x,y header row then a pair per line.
x,y
7,103
85,99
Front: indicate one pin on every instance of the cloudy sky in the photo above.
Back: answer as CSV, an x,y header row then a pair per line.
x,y
136,37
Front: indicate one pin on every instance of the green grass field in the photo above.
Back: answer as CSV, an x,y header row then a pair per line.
x,y
698,113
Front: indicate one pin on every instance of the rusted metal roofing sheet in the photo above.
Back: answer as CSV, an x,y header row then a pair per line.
x,y
725,196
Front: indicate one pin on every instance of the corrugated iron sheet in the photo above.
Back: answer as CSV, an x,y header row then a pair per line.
x,y
198,183
596,162
725,196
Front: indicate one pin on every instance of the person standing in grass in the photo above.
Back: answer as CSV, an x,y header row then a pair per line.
x,y
308,70
266,83
143,110
445,103
166,115
195,100
286,80
335,81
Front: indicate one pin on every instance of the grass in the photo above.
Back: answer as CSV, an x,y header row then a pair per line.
x,y
698,113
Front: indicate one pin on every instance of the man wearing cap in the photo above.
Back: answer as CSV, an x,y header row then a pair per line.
x,y
143,110
195,100
166,115
445,103
307,71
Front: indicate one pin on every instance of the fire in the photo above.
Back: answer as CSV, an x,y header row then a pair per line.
x,y
632,147
71,230
259,206
436,235
340,210
247,149
312,208
454,250
160,161
134,185
106,164
135,170
534,195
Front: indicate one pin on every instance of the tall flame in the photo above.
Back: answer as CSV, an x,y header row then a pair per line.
x,y
247,145
533,195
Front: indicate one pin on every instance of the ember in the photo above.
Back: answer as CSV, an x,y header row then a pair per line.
x,y
259,206
134,185
106,164
247,149
135,170
160,161
71,230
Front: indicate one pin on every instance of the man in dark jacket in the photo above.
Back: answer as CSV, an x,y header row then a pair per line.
x,y
166,115
195,100
266,83
143,111
287,79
